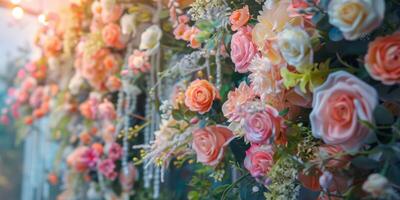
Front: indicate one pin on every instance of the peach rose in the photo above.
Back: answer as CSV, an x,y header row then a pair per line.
x,y
199,96
210,142
338,105
112,34
239,18
383,59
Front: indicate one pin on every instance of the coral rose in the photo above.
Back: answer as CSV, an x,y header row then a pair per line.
x,y
259,160
243,49
260,126
383,59
200,95
239,18
338,104
209,144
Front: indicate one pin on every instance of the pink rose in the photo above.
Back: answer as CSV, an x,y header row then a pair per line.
x,y
243,49
107,167
115,151
338,105
259,160
210,142
90,157
76,159
107,110
260,126
139,62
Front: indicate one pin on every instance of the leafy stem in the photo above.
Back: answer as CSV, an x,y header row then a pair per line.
x,y
233,185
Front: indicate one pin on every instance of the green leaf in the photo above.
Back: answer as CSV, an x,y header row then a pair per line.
x,y
193,195
383,116
284,112
365,163
177,115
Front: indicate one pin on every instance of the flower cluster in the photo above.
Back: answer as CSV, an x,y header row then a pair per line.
x,y
291,94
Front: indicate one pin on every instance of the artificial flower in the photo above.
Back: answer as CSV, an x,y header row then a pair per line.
x,y
265,77
150,39
115,151
295,46
355,18
200,95
312,77
90,157
112,35
128,24
113,83
338,105
242,49
139,62
106,110
261,125
239,18
210,142
383,59
237,98
376,185
259,160
107,168
76,160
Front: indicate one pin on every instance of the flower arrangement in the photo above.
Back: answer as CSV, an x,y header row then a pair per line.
x,y
275,99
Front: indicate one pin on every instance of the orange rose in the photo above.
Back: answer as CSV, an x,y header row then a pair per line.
x,y
383,59
239,18
199,96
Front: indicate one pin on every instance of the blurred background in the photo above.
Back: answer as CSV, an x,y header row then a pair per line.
x,y
18,24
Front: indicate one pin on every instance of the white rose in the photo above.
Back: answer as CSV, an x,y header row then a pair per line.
x,y
356,17
376,185
150,39
295,46
128,24
75,84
